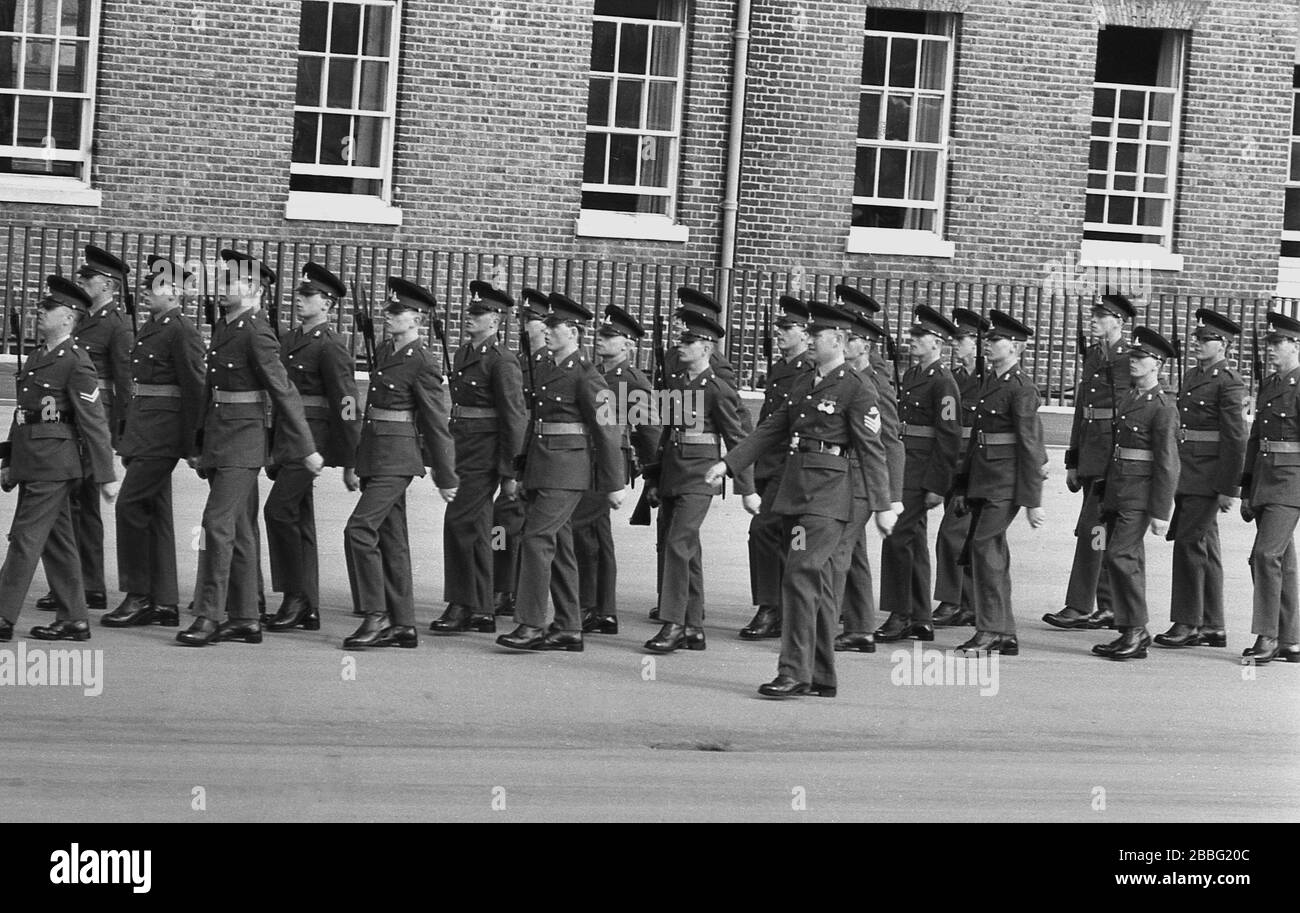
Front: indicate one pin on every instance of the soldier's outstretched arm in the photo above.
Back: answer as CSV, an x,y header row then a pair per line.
x,y
1029,448
1232,438
293,436
92,419
432,409
1164,471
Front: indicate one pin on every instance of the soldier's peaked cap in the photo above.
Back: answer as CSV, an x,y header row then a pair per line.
x,y
793,311
857,299
1008,326
65,293
693,299
243,262
167,269
698,326
1148,342
404,295
317,280
619,322
484,295
969,323
1116,305
535,304
930,321
1280,326
829,317
100,262
564,309
864,326
1216,323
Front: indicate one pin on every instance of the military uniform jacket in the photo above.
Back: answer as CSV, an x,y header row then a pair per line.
x,y
319,365
680,465
1149,422
570,392
1212,400
1274,478
168,352
1104,370
722,369
890,430
407,380
842,409
1008,404
776,397
930,399
488,376
640,437
245,356
106,337
54,384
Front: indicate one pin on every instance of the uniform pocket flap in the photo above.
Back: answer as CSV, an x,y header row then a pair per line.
x,y
46,431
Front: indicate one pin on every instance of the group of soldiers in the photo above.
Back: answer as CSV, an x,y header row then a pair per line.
x,y
533,450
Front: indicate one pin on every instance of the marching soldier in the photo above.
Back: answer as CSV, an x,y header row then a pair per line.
x,y
593,534
245,380
105,336
929,412
831,409
1212,452
321,368
166,397
766,541
572,449
952,581
1003,472
1104,378
487,424
508,510
859,302
1271,497
59,415
1138,489
688,446
405,430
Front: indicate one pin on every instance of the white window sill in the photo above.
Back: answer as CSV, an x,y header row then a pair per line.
x,y
52,191
900,241
340,207
1288,277
631,226
1129,255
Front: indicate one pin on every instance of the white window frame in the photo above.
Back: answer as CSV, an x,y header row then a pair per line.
x,y
350,207
1288,268
58,190
601,223
1153,255
910,241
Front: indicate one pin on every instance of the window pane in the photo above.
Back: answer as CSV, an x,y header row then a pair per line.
x,y
67,123
655,156
1126,157
1101,127
305,127
873,60
898,118
1151,213
1159,134
1128,131
6,121
893,173
38,71
623,153
309,81
925,175
929,120
1291,219
934,64
367,141
869,116
1132,104
33,121
72,66
602,47
379,26
902,62
627,104
598,102
893,217
659,111
593,160
1295,113
1155,185
1096,181
1295,162
663,62
633,46
311,26
76,18
40,16
1126,182
1157,160
345,29
1120,211
864,175
334,142
1094,208
1161,107
1098,156
1103,103
374,86
340,87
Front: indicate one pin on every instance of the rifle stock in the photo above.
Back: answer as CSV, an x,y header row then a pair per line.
x,y
364,321
16,324
641,513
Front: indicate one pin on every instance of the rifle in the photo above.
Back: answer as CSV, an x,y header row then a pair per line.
x,y
128,304
526,346
16,324
1257,367
979,352
1178,355
891,348
273,308
641,513
767,341
364,321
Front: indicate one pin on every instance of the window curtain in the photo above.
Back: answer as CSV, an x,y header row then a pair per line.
x,y
657,152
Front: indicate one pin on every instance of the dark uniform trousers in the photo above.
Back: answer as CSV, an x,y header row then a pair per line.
x,y
547,561
1126,562
508,518
1273,568
593,545
990,566
766,546
229,553
146,535
378,558
681,597
1196,595
851,582
88,527
1090,583
291,533
467,534
809,609
905,563
42,530
952,582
